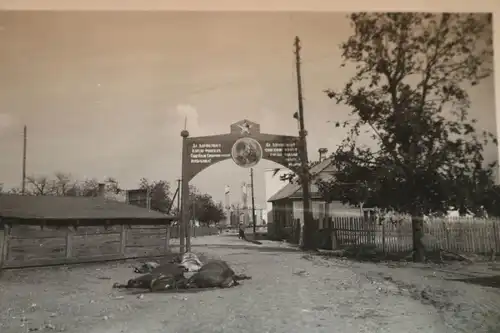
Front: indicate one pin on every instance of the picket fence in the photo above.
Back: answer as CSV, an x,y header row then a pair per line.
x,y
461,235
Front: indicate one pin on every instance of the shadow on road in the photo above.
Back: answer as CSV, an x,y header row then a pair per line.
x,y
489,281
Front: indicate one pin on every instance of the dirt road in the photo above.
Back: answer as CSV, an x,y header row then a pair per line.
x,y
289,292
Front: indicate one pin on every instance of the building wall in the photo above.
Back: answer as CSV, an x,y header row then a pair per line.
x,y
321,209
272,185
336,208
2,235
283,219
318,208
119,197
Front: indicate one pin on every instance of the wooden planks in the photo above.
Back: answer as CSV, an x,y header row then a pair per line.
x,y
61,261
25,249
25,246
23,231
145,237
143,251
480,236
89,246
4,245
98,230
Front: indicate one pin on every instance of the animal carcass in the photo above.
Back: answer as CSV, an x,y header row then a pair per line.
x,y
172,271
214,274
191,262
146,267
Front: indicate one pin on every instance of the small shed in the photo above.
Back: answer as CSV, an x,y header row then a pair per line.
x,y
44,230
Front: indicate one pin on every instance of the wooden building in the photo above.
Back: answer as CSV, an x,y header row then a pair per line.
x,y
287,205
41,230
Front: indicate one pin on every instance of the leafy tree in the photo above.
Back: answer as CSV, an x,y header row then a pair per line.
x,y
203,208
89,188
112,185
207,210
63,185
409,90
159,192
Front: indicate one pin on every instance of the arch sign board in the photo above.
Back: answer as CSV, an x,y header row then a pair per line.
x,y
244,144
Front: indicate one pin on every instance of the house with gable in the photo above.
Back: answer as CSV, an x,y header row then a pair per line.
x,y
287,205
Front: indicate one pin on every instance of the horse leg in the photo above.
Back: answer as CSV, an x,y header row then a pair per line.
x,y
162,283
228,282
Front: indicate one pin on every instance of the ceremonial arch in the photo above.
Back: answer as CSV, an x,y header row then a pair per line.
x,y
244,144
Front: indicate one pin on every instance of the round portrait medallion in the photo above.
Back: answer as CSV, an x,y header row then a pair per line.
x,y
246,152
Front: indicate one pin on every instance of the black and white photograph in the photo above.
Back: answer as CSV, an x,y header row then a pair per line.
x,y
234,171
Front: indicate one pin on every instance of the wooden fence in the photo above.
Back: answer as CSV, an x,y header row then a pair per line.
x,y
478,236
27,246
460,235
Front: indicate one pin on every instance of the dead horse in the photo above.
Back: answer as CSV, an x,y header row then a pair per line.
x,y
213,274
173,272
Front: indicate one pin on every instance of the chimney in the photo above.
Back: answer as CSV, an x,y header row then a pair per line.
x,y
322,152
101,190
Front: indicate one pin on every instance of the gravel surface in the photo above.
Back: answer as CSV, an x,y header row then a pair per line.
x,y
289,292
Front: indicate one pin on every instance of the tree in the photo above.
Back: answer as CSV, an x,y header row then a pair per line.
x,y
409,90
15,190
63,185
159,192
90,187
203,208
207,211
39,185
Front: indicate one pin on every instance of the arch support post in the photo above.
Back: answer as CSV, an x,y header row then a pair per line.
x,y
184,231
244,144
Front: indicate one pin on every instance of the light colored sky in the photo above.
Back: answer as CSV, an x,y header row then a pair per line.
x,y
105,94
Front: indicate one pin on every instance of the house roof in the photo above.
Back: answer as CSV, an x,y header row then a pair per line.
x,y
293,190
72,208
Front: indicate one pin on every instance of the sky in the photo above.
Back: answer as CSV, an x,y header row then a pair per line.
x,y
105,94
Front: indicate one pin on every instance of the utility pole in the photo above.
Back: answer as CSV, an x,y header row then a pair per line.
x,y
25,139
308,228
244,199
183,222
253,205
180,225
227,191
179,197
148,198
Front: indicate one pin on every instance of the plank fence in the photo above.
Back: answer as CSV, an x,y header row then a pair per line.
x,y
478,236
459,235
28,246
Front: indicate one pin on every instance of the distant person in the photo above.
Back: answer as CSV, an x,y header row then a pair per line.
x,y
241,232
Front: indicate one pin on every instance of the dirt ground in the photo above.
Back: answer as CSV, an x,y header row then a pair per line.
x,y
290,292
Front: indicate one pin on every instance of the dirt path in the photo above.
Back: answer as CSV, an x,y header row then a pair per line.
x,y
289,292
